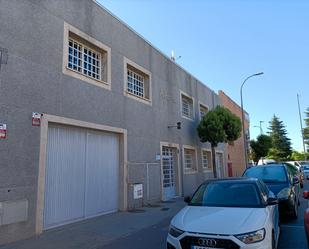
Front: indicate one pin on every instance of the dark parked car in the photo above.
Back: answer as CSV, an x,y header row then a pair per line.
x,y
306,217
296,171
282,182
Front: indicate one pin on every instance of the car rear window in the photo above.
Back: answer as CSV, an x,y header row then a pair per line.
x,y
268,174
227,194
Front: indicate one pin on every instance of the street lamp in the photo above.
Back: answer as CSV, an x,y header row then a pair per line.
x,y
260,126
242,115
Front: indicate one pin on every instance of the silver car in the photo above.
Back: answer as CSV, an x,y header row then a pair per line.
x,y
306,171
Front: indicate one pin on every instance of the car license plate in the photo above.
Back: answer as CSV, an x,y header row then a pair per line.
x,y
203,247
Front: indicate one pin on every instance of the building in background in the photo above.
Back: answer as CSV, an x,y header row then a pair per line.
x,y
235,152
90,112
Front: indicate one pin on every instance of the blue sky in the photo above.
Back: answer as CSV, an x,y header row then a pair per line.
x,y
221,42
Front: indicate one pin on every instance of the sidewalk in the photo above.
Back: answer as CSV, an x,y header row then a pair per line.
x,y
102,230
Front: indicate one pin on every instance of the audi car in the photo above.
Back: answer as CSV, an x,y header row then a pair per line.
x,y
232,213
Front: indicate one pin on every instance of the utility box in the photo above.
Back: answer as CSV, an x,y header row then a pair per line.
x,y
137,191
13,211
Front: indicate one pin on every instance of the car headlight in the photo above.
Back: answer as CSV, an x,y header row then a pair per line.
x,y
175,232
284,194
252,237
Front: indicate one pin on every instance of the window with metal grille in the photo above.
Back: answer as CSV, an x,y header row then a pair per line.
x,y
84,60
189,159
187,106
135,83
203,111
206,159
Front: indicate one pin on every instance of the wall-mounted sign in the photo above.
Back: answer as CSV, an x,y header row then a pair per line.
x,y
138,191
158,157
36,119
2,131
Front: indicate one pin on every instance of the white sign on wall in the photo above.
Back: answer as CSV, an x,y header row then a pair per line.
x,y
138,191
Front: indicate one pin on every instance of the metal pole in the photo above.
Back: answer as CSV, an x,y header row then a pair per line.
x,y
242,118
261,130
301,127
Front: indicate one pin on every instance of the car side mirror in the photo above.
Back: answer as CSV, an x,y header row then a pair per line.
x,y
295,180
187,199
306,194
272,201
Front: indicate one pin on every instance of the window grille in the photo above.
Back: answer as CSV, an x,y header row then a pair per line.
x,y
206,159
84,60
135,83
187,107
203,111
188,159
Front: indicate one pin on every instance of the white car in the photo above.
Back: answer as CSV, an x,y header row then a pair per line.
x,y
233,213
306,171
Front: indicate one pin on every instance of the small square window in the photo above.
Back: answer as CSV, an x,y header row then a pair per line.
x,y
86,58
137,82
187,107
203,111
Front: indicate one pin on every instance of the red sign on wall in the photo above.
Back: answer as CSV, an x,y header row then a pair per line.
x,y
2,131
36,119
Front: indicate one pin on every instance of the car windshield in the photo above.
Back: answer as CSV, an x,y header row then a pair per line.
x,y
268,174
226,194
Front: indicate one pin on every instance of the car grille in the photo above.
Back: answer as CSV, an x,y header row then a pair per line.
x,y
188,241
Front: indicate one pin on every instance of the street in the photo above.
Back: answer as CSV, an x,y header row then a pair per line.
x,y
292,234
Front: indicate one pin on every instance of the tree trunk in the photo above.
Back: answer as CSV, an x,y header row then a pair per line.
x,y
214,166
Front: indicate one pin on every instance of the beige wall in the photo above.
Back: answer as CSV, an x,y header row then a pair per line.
x,y
235,152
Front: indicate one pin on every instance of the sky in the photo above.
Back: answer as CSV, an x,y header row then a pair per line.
x,y
221,42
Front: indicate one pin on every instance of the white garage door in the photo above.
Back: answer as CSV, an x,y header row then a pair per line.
x,y
81,177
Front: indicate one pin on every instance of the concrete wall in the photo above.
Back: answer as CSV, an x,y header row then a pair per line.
x,y
33,81
235,152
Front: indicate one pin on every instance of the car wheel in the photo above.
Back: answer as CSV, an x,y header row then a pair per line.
x,y
294,213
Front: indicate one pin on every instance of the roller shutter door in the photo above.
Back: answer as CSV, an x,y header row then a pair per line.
x,y
81,175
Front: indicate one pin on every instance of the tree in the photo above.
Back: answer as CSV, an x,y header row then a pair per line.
x,y
219,125
298,156
306,129
260,147
281,145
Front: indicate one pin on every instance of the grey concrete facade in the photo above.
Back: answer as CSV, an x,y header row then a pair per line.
x,y
33,81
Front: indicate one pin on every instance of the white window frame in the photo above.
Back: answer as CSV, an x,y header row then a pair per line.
x,y
181,106
206,169
200,104
79,75
129,94
192,170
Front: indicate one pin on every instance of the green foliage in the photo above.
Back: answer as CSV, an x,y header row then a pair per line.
x,y
298,156
306,129
219,125
260,147
281,145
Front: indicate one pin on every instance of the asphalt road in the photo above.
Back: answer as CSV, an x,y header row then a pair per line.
x,y
292,234
292,231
